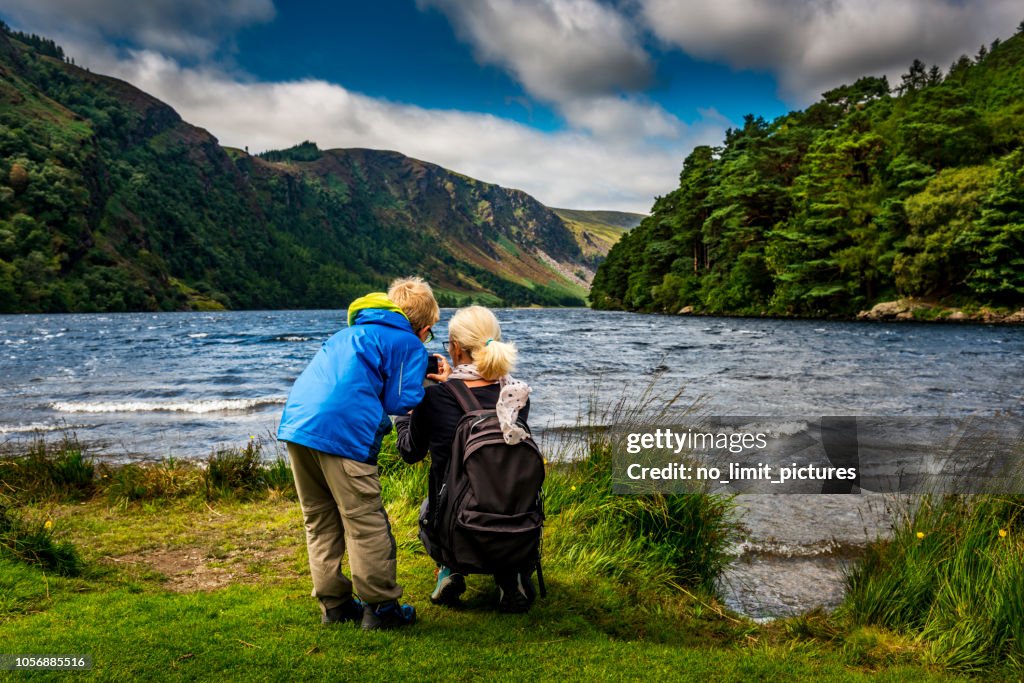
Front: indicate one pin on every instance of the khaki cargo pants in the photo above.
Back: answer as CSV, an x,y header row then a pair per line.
x,y
341,506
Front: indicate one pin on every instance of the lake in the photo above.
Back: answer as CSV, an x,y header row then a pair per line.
x,y
150,385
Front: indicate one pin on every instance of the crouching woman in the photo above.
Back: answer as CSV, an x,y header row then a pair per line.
x,y
483,362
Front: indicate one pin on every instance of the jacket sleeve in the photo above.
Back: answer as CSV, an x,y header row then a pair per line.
x,y
403,387
411,449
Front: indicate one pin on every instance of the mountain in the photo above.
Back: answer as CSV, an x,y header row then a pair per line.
x,y
869,195
597,231
110,201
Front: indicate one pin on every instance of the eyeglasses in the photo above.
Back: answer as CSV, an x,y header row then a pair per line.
x,y
430,336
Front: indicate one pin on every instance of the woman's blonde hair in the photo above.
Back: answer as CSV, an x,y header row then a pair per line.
x,y
414,296
477,331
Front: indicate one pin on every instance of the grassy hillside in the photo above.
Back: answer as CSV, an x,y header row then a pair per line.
x,y
109,201
869,195
597,231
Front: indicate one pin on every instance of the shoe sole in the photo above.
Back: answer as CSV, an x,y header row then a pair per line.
x,y
451,591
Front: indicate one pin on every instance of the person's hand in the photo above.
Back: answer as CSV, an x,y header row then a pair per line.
x,y
444,370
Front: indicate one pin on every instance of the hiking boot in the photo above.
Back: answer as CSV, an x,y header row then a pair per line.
x,y
388,615
528,589
450,585
515,594
351,611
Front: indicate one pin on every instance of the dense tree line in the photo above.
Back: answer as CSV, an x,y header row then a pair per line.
x,y
869,194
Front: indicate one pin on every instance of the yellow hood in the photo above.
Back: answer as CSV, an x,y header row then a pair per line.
x,y
373,300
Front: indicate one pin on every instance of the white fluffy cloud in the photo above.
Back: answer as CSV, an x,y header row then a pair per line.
x,y
814,45
582,56
571,168
557,49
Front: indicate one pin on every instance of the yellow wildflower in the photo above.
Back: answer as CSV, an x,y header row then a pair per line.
x,y
1002,533
572,488
49,524
920,534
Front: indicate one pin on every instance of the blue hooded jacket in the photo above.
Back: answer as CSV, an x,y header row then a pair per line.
x,y
367,371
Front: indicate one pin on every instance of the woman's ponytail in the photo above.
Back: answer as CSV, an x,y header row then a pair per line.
x,y
495,359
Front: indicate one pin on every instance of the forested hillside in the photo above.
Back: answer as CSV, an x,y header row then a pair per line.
x,y
109,202
870,194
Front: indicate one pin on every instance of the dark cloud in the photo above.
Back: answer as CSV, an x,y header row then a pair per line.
x,y
814,45
183,28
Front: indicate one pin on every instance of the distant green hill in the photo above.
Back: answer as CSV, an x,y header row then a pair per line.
x,y
109,201
597,231
622,220
867,195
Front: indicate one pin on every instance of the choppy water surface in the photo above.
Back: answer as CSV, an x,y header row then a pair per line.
x,y
149,385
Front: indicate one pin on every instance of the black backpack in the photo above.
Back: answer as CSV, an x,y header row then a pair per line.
x,y
489,515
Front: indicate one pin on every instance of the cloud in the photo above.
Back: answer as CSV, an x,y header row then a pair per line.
x,y
184,28
612,116
815,45
619,150
582,56
557,49
569,168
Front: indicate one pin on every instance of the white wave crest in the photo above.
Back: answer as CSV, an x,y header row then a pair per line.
x,y
34,427
822,548
198,406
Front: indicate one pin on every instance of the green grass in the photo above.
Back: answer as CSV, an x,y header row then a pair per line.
x,y
179,584
136,614
952,576
32,541
48,470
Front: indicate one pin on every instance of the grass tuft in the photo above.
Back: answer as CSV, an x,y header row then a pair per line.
x,y
33,542
47,470
952,575
238,470
664,541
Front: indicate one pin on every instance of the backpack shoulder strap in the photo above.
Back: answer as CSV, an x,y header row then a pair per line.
x,y
467,401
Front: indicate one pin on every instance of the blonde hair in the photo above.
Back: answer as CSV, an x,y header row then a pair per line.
x,y
414,296
477,331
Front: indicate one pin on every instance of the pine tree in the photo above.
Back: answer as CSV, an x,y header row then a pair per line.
x,y
915,79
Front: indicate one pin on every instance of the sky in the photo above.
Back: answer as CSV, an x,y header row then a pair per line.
x,y
587,104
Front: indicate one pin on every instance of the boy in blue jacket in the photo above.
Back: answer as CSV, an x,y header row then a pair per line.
x,y
333,423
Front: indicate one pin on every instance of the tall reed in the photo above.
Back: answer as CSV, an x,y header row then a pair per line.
x,y
651,540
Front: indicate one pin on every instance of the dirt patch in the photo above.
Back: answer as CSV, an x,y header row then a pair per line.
x,y
190,569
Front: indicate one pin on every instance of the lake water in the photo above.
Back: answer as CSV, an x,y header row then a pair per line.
x,y
151,385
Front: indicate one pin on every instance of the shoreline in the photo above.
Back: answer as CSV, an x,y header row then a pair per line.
x,y
898,311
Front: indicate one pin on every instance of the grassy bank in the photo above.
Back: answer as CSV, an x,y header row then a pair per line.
x,y
951,576
199,572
